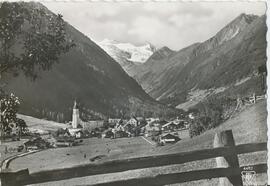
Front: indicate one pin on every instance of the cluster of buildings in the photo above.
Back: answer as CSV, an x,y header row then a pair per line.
x,y
161,131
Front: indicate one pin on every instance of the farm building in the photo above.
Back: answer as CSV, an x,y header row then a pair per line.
x,y
90,125
183,133
64,141
133,121
121,134
152,130
78,133
113,120
149,120
168,138
171,126
107,134
36,143
180,123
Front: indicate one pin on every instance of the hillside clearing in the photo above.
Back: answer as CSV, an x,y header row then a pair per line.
x,y
41,124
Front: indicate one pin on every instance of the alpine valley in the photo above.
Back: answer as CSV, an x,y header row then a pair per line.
x,y
102,75
226,64
89,75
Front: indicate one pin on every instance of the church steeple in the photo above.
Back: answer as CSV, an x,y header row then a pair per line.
x,y
75,115
75,106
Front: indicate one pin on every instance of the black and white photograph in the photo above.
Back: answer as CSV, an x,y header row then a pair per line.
x,y
133,93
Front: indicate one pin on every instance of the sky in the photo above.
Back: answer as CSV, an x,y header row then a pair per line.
x,y
172,24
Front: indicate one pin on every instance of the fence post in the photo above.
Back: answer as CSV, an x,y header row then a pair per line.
x,y
225,139
13,178
254,98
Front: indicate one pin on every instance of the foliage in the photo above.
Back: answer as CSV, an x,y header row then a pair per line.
x,y
210,113
9,105
199,125
22,125
29,41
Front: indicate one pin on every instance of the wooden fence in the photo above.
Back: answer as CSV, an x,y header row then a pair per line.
x,y
228,170
255,98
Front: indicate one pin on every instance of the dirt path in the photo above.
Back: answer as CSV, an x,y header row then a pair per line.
x,y
5,164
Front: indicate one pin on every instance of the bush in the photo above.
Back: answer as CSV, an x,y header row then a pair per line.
x,y
9,105
199,125
210,114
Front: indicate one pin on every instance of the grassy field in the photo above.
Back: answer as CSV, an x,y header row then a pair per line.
x,y
249,126
41,124
34,124
108,149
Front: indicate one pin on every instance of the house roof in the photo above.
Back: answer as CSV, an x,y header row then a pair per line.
x,y
152,128
30,143
169,135
170,123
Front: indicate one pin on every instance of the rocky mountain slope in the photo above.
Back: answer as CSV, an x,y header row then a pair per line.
x,y
126,54
89,75
227,63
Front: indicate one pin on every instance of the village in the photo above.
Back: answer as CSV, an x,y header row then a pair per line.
x,y
153,130
133,94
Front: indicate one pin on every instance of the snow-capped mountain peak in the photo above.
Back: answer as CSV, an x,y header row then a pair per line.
x,y
107,42
131,52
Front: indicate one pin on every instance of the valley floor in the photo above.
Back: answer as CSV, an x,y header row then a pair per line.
x,y
249,126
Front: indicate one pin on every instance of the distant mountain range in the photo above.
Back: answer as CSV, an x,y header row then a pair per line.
x,y
127,54
89,75
227,64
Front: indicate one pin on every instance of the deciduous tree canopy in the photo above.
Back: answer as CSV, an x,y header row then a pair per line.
x,y
28,42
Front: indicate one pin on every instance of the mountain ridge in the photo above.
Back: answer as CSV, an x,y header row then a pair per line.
x,y
127,54
89,75
210,64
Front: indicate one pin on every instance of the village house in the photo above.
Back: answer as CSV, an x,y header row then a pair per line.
x,y
133,121
30,145
149,120
36,143
179,122
119,127
183,133
65,141
128,127
152,129
121,134
107,134
170,126
132,130
168,138
90,125
113,120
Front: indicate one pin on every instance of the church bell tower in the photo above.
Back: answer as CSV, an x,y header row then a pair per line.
x,y
75,116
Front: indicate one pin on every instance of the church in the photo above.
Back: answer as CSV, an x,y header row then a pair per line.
x,y
75,116
76,125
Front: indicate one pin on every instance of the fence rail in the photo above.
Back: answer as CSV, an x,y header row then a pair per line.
x,y
173,178
226,150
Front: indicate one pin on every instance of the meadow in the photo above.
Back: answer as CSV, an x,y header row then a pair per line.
x,y
249,126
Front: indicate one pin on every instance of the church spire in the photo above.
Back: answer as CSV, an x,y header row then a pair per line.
x,y
75,116
75,105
